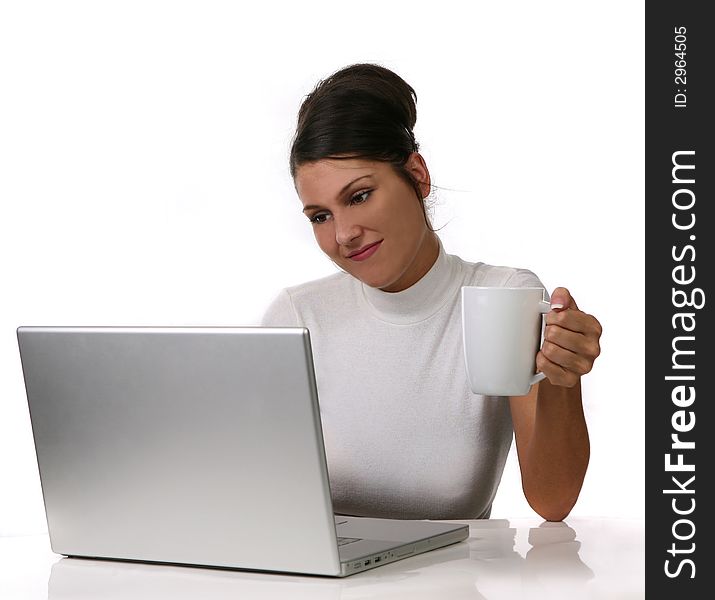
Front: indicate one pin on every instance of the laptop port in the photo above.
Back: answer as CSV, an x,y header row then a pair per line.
x,y
367,562
377,559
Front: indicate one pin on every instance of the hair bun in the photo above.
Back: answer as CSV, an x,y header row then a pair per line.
x,y
362,110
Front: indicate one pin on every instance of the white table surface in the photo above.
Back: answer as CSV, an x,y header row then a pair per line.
x,y
582,558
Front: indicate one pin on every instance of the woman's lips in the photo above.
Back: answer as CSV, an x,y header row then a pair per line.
x,y
367,253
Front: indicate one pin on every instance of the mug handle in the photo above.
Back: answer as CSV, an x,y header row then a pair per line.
x,y
544,307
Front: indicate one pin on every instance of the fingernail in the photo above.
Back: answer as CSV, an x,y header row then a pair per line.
x,y
557,306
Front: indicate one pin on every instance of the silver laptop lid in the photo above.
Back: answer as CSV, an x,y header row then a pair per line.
x,y
181,445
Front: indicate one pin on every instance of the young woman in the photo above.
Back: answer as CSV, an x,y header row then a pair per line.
x,y
405,437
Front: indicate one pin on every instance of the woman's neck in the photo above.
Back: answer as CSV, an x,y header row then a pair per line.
x,y
423,262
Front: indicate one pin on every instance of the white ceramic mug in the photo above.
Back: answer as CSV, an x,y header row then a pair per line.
x,y
502,331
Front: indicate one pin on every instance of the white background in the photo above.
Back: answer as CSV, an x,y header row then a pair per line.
x,y
144,176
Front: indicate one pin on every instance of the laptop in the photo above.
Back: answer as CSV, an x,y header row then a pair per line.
x,y
196,446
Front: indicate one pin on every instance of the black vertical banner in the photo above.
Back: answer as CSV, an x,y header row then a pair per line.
x,y
680,169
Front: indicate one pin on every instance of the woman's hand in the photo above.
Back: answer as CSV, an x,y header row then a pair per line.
x,y
571,341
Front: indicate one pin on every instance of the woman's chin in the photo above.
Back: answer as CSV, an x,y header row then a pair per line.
x,y
373,282
371,277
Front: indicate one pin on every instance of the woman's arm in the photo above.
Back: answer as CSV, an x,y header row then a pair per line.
x,y
549,426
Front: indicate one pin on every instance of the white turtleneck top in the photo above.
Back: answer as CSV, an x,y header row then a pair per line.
x,y
405,437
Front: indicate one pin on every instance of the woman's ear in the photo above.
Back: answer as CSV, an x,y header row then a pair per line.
x,y
417,167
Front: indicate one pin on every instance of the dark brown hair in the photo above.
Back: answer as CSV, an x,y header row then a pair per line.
x,y
361,111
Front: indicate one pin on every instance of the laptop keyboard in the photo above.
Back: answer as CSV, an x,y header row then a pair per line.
x,y
347,540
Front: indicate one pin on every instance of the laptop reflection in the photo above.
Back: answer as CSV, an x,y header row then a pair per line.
x,y
489,565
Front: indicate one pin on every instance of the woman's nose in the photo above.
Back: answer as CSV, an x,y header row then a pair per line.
x,y
346,231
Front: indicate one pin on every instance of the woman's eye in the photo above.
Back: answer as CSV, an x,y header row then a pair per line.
x,y
319,218
360,197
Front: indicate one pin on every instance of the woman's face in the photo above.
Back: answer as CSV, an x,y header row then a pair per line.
x,y
368,219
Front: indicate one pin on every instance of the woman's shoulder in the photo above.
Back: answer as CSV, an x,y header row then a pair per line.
x,y
290,303
337,282
485,274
